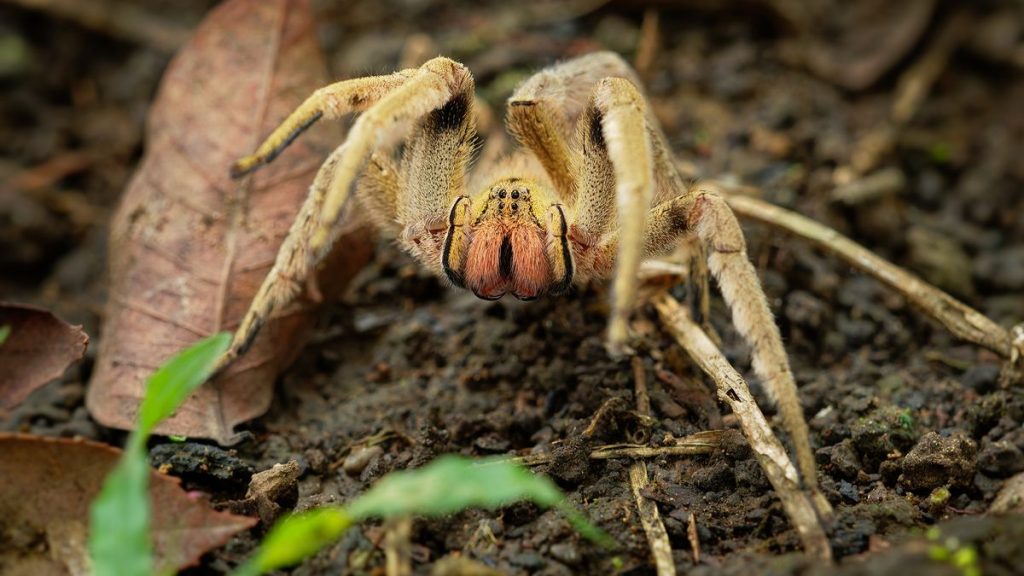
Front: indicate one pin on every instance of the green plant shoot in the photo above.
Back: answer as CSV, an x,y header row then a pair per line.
x,y
445,486
5,331
119,541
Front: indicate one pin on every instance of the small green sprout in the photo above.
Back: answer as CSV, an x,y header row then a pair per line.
x,y
906,419
119,540
963,557
447,485
5,331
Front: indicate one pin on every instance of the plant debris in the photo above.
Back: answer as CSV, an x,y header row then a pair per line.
x,y
37,347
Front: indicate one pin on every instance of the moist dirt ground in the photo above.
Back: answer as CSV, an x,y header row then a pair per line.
x,y
911,427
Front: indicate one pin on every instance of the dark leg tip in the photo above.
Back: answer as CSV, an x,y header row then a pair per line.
x,y
239,169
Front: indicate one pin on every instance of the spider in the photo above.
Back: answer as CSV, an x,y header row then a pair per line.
x,y
592,192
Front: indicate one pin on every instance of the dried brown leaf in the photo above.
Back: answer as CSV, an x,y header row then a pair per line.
x,y
48,484
189,246
38,348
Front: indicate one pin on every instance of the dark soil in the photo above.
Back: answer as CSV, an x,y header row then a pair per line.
x,y
404,369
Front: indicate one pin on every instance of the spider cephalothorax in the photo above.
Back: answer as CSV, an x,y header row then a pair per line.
x,y
592,191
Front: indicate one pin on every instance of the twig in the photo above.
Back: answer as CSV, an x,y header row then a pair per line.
x,y
647,46
643,399
116,18
657,536
397,551
876,185
914,86
598,416
695,444
963,321
693,537
767,448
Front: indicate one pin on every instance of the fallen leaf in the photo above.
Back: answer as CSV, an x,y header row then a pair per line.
x,y
44,508
38,348
189,246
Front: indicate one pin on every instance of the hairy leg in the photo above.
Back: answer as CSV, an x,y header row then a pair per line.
x,y
434,166
544,111
378,191
705,214
618,128
390,103
331,102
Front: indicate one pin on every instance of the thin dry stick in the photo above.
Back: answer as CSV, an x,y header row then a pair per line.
x,y
595,420
397,552
962,320
117,18
657,537
647,47
767,448
700,443
914,86
693,537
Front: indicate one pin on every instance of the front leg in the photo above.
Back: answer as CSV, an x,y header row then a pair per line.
x,y
438,91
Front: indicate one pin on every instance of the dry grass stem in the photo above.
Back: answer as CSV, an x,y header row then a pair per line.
x,y
657,537
595,420
397,548
914,86
767,448
654,528
963,321
122,19
647,46
693,537
878,184
700,443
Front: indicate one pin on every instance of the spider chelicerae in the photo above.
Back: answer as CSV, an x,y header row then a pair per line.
x,y
591,193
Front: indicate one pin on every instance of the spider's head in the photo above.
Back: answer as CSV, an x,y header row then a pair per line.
x,y
505,248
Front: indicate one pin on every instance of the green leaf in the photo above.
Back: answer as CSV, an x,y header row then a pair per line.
x,y
452,483
297,537
177,378
447,485
119,541
5,331
119,519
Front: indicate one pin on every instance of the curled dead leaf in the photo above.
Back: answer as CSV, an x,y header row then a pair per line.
x,y
38,348
48,484
189,246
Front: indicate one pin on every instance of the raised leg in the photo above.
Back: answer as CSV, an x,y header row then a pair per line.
x,y
617,126
544,111
331,102
440,93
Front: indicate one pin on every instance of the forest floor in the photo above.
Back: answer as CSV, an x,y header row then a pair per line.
x,y
403,368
